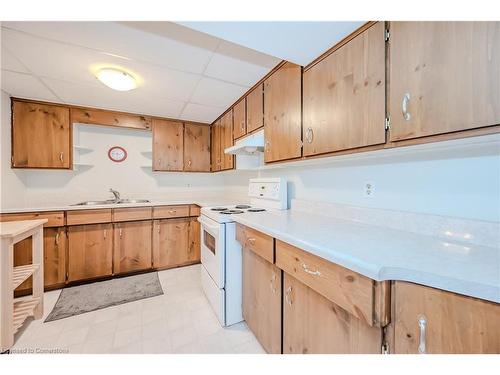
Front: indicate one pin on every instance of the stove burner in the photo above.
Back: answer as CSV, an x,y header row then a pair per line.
x,y
229,212
255,210
219,209
242,206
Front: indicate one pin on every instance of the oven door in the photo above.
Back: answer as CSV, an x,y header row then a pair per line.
x,y
213,248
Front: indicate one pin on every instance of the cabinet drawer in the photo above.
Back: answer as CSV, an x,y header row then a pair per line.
x,y
88,217
194,210
130,214
166,212
350,290
55,219
259,243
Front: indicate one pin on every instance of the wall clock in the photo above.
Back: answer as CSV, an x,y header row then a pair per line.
x,y
117,154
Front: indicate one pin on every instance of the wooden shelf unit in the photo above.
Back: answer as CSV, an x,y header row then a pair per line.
x,y
22,273
23,308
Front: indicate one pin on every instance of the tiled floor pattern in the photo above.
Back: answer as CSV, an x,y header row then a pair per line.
x,y
180,321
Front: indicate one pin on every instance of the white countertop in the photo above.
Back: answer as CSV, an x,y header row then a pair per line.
x,y
14,228
387,254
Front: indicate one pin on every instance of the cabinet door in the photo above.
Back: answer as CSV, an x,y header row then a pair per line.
x,y
255,108
132,248
90,251
226,140
196,148
215,146
445,322
282,114
194,247
239,119
344,96
168,145
41,136
171,243
444,77
313,324
54,255
262,300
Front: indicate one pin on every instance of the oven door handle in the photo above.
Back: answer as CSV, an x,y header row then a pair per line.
x,y
206,224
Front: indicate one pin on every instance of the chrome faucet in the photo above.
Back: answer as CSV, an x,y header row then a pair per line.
x,y
116,194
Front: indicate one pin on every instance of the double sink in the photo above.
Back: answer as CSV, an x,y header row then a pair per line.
x,y
111,201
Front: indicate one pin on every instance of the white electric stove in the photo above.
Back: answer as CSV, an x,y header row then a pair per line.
x,y
221,259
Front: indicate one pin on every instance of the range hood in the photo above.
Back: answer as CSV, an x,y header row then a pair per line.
x,y
252,144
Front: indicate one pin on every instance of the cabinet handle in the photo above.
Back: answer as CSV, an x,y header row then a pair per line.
x,y
172,211
243,125
61,157
120,232
288,297
251,240
159,227
272,284
404,106
309,135
105,233
307,270
422,322
57,238
189,162
268,146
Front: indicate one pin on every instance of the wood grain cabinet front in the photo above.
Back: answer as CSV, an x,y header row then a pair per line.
x,y
344,96
239,119
434,321
196,148
90,251
255,109
168,145
444,77
41,136
132,246
226,139
215,146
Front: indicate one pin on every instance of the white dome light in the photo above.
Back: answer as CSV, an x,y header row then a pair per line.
x,y
116,79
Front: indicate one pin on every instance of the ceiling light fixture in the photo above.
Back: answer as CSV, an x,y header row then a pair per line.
x,y
116,79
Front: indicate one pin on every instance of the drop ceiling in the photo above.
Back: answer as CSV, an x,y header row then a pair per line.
x,y
183,73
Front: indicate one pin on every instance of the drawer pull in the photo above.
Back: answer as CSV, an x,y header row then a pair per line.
x,y
288,297
172,211
251,240
422,322
307,270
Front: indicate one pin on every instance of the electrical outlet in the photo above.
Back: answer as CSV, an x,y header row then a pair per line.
x,y
369,189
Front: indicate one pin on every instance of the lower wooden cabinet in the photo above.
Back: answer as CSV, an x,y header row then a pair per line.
x,y
132,246
434,321
175,242
314,324
90,251
262,300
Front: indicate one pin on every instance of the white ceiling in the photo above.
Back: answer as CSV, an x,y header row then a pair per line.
x,y
183,73
298,42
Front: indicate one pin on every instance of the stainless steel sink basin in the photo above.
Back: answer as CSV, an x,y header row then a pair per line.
x,y
111,201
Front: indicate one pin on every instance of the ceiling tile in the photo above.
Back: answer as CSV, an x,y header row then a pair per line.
x,y
216,93
9,62
202,113
102,97
25,86
171,49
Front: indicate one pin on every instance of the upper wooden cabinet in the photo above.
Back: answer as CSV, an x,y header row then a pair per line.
x,y
215,143
110,118
255,109
34,125
282,114
168,145
196,148
227,160
344,96
239,119
444,77
433,321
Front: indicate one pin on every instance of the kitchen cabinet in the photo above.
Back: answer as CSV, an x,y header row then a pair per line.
x,y
226,140
444,77
262,300
172,243
283,114
168,145
344,96
314,324
109,118
132,246
90,251
215,146
239,119
41,136
429,320
194,246
196,148
255,109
